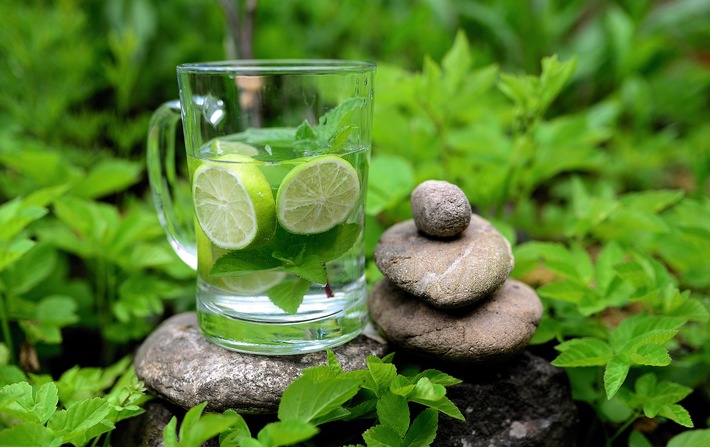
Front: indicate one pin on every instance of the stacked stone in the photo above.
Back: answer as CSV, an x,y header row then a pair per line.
x,y
446,292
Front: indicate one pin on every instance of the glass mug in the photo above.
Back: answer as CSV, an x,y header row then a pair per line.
x,y
277,155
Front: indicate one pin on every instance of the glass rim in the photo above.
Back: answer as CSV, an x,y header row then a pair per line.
x,y
278,66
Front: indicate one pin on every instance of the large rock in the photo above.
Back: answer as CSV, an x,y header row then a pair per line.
x,y
486,332
179,365
524,403
446,273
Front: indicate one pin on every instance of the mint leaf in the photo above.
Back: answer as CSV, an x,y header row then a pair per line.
x,y
283,433
614,374
197,428
78,418
382,374
288,295
437,377
20,400
381,436
691,438
434,396
310,268
28,434
393,412
401,386
423,429
307,399
677,414
242,262
585,351
231,437
651,355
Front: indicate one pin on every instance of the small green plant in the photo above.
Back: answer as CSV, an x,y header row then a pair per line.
x,y
72,410
326,394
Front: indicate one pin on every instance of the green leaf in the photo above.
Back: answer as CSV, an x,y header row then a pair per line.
x,y
393,412
437,377
636,439
197,428
614,375
554,77
333,362
289,432
28,434
456,62
583,352
232,435
30,269
381,436
288,295
51,314
677,414
391,179
106,177
423,429
651,355
78,418
566,290
243,262
382,374
691,438
15,215
433,395
170,434
13,250
21,401
402,385
310,268
307,399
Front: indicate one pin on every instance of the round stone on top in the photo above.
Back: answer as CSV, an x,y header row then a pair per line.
x,y
440,209
445,273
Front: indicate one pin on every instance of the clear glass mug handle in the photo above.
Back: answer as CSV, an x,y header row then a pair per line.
x,y
163,180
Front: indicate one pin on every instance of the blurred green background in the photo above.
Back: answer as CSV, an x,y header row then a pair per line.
x,y
573,125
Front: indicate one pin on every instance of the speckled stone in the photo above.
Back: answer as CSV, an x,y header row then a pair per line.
x,y
181,366
485,333
445,273
440,208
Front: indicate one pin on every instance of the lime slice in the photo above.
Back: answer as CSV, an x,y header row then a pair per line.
x,y
252,283
317,195
234,204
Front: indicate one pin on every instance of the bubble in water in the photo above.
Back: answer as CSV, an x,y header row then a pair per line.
x,y
364,82
357,91
357,81
372,93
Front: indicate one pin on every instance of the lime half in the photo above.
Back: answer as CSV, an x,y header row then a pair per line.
x,y
234,204
317,195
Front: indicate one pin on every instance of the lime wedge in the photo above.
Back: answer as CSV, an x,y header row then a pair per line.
x,y
253,283
234,204
317,195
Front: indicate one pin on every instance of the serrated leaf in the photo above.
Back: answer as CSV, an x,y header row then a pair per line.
x,y
27,434
288,294
565,290
614,375
239,429
393,411
401,386
651,355
197,428
677,414
423,429
381,436
437,377
382,374
78,418
583,352
307,399
289,432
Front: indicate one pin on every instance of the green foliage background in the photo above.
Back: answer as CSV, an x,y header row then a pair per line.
x,y
579,128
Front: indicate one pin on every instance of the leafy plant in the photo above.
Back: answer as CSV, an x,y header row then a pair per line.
x,y
326,394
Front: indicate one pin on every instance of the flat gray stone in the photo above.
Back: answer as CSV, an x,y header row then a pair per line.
x,y
181,366
446,273
487,332
440,208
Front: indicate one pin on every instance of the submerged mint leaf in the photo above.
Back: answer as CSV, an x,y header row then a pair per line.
x,y
242,262
288,295
310,268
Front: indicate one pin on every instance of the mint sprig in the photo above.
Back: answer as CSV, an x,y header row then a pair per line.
x,y
305,256
326,393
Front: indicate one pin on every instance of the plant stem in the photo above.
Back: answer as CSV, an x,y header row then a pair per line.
x,y
6,334
623,428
